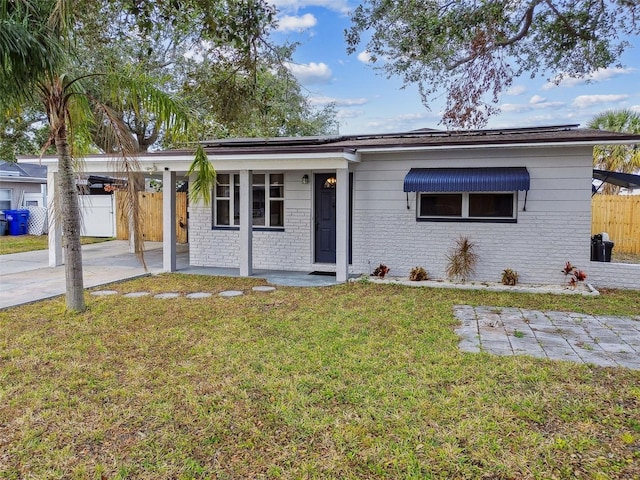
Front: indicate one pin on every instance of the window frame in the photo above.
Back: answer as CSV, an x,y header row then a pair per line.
x,y
234,196
465,203
9,199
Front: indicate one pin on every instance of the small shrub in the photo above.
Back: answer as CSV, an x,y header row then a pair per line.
x,y
568,268
380,271
509,277
462,260
574,274
418,274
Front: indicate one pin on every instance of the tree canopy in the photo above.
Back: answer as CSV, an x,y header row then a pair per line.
x,y
472,50
214,58
616,158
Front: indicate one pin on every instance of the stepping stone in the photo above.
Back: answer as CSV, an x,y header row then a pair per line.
x,y
263,288
104,293
167,295
136,294
199,295
231,293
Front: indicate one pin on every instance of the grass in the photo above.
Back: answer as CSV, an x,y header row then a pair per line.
x,y
29,243
353,381
621,257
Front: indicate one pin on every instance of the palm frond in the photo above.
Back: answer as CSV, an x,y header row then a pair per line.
x,y
139,92
205,177
30,50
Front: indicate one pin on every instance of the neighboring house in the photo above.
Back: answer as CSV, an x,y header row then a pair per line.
x,y
22,185
346,204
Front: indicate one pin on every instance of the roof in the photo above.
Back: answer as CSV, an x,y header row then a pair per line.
x,y
621,179
31,170
559,134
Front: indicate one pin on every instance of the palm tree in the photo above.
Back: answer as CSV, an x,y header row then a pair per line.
x,y
35,49
617,158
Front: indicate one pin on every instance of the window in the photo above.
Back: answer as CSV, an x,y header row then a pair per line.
x,y
268,200
227,200
5,199
487,206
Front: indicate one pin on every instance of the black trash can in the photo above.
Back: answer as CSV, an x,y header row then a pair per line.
x,y
607,247
597,248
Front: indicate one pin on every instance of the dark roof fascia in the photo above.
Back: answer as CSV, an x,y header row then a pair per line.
x,y
565,134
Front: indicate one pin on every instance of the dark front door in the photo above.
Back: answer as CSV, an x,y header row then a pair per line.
x,y
325,214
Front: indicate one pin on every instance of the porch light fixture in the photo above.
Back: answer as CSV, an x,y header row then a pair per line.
x,y
305,179
330,183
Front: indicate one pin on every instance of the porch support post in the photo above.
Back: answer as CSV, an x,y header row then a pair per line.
x,y
168,221
246,224
342,224
55,225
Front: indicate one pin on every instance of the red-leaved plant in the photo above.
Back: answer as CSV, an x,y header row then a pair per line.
x,y
574,274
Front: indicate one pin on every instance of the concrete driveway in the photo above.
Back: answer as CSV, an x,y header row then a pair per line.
x,y
26,277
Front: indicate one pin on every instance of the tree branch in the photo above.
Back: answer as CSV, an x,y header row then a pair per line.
x,y
527,19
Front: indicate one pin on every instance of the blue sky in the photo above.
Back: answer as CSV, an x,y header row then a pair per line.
x,y
368,102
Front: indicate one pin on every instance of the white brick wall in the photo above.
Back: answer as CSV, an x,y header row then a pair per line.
x,y
288,250
274,250
554,229
537,247
613,275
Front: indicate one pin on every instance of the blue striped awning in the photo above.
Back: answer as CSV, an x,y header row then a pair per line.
x,y
489,179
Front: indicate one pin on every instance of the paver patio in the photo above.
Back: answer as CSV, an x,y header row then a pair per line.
x,y
600,340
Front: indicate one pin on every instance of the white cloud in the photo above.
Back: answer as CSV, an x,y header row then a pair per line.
x,y
345,113
600,75
340,6
515,108
402,122
364,56
635,108
289,23
584,101
535,103
517,90
310,73
340,102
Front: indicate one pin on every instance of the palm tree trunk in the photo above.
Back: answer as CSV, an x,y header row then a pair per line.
x,y
70,218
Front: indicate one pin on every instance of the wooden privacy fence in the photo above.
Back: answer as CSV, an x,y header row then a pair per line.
x,y
619,216
151,207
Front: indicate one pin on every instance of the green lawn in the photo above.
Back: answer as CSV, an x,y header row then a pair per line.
x,y
29,243
354,381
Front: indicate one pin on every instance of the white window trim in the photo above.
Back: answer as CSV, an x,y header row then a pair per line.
x,y
9,199
231,200
464,217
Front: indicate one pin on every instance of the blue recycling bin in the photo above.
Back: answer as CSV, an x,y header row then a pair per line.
x,y
18,221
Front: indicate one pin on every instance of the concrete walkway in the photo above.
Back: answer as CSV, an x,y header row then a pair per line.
x,y
26,277
600,340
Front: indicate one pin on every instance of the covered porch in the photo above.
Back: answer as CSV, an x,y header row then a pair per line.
x,y
171,167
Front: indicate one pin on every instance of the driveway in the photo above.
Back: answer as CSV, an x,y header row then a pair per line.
x,y
26,277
